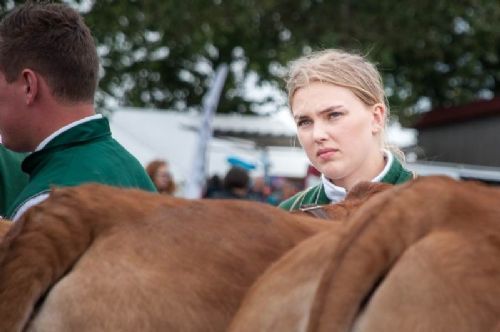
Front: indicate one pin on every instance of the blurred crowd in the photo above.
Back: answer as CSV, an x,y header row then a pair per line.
x,y
238,184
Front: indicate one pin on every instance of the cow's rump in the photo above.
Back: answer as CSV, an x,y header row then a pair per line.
x,y
419,257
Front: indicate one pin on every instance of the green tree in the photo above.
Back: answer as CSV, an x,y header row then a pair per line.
x,y
163,53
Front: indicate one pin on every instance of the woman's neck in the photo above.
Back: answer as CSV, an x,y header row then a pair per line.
x,y
375,166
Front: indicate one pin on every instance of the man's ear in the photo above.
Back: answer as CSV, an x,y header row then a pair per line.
x,y
378,117
30,85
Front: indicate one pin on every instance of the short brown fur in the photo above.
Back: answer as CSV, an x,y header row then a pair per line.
x,y
434,243
126,260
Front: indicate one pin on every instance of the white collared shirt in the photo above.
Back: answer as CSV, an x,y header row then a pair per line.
x,y
336,194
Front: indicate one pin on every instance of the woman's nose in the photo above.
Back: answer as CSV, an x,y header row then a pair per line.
x,y
320,132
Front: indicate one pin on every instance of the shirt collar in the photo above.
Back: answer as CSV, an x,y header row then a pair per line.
x,y
389,160
65,128
336,194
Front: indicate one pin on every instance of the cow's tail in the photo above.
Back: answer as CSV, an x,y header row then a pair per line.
x,y
37,251
378,235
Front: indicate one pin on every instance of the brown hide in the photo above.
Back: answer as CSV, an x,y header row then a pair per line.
x,y
433,244
125,260
356,197
4,227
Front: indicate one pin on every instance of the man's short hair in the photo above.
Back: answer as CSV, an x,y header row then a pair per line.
x,y
52,40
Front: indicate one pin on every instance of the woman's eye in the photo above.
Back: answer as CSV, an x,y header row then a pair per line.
x,y
334,115
303,122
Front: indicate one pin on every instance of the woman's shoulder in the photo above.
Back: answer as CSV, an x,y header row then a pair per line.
x,y
306,196
398,173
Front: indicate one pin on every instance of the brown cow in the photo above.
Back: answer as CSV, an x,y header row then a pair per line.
x,y
420,257
111,259
4,227
125,260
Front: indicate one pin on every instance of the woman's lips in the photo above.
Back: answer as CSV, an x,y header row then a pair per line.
x,y
326,153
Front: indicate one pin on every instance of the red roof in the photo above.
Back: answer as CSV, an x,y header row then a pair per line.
x,y
448,115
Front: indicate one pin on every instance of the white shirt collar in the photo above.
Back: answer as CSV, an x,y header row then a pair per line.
x,y
389,160
336,194
65,128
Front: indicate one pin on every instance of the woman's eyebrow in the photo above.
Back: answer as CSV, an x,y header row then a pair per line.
x,y
325,110
299,117
329,109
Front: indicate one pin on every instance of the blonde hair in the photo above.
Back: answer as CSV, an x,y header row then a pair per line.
x,y
348,70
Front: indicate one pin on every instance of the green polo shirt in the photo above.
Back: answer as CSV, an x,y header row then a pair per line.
x,y
82,154
12,178
316,195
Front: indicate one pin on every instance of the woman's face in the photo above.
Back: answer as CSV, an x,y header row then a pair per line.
x,y
162,178
339,133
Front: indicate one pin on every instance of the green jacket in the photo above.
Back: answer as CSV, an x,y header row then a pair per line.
x,y
316,194
82,154
12,178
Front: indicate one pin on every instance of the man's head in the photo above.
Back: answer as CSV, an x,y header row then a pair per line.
x,y
53,41
237,180
48,72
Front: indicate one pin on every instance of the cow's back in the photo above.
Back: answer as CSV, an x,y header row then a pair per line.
x,y
179,267
439,239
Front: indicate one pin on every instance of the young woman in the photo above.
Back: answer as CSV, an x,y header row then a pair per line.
x,y
338,103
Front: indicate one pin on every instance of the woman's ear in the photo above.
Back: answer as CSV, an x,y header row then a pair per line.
x,y
378,117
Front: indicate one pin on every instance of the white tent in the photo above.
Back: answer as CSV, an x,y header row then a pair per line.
x,y
150,134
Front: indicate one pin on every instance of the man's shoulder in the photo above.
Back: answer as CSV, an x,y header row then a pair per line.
x,y
66,168
104,162
105,152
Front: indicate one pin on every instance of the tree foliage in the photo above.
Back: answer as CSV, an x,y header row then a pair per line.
x,y
164,53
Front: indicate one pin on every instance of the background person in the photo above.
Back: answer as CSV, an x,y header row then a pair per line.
x,y
160,175
259,189
338,103
235,185
48,77
213,187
